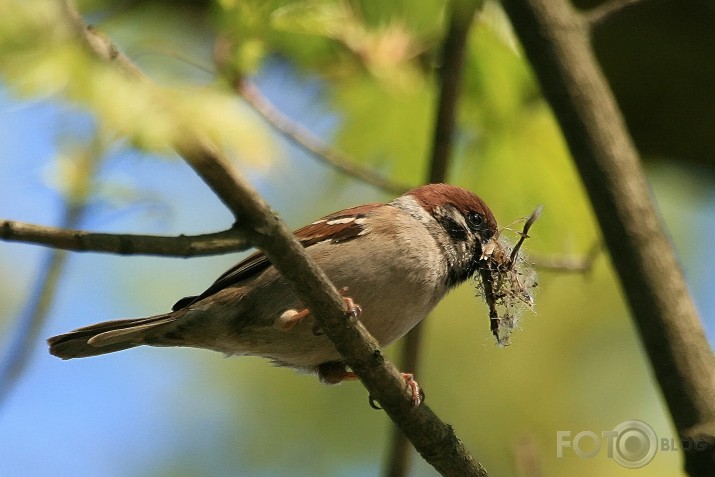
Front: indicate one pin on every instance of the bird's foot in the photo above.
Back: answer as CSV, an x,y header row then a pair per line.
x,y
352,310
418,395
334,372
290,318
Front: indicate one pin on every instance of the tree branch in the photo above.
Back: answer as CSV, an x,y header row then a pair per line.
x,y
460,18
303,138
33,317
35,313
435,440
557,45
231,240
607,10
568,265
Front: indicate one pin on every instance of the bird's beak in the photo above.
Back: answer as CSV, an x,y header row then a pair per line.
x,y
488,248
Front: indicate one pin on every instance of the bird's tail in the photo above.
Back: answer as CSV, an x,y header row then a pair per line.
x,y
109,336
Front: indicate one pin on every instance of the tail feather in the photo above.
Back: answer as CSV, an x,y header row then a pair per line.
x,y
130,334
107,337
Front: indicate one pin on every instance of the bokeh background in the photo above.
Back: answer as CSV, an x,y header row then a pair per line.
x,y
360,75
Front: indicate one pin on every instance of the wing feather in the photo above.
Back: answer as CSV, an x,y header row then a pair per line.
x,y
340,227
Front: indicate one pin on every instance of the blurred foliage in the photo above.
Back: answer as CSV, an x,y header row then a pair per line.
x,y
42,55
575,366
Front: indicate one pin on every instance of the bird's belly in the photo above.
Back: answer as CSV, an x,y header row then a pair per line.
x,y
300,347
395,320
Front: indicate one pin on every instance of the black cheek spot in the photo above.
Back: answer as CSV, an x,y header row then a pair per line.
x,y
454,229
459,274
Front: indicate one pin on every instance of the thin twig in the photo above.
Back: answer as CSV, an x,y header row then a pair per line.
x,y
310,143
232,240
435,440
460,18
568,265
607,10
34,316
527,458
524,234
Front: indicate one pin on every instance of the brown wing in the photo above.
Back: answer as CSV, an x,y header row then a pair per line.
x,y
340,227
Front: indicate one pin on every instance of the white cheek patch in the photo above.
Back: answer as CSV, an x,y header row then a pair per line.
x,y
460,220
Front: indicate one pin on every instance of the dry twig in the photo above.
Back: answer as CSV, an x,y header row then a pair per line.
x,y
607,10
303,138
582,265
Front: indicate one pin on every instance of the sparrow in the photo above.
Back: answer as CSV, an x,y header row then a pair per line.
x,y
393,262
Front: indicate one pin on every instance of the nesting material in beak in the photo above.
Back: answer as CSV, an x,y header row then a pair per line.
x,y
507,281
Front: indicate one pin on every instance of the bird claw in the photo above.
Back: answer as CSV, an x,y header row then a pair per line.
x,y
352,311
418,395
373,403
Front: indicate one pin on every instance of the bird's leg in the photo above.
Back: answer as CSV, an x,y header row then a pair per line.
x,y
290,318
334,372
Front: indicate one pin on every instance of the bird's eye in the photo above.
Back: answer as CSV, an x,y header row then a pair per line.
x,y
475,219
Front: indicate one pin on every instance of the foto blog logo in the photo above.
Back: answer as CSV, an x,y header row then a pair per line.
x,y
632,444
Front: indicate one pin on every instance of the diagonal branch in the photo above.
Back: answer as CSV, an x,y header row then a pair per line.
x,y
231,240
435,440
557,45
303,138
